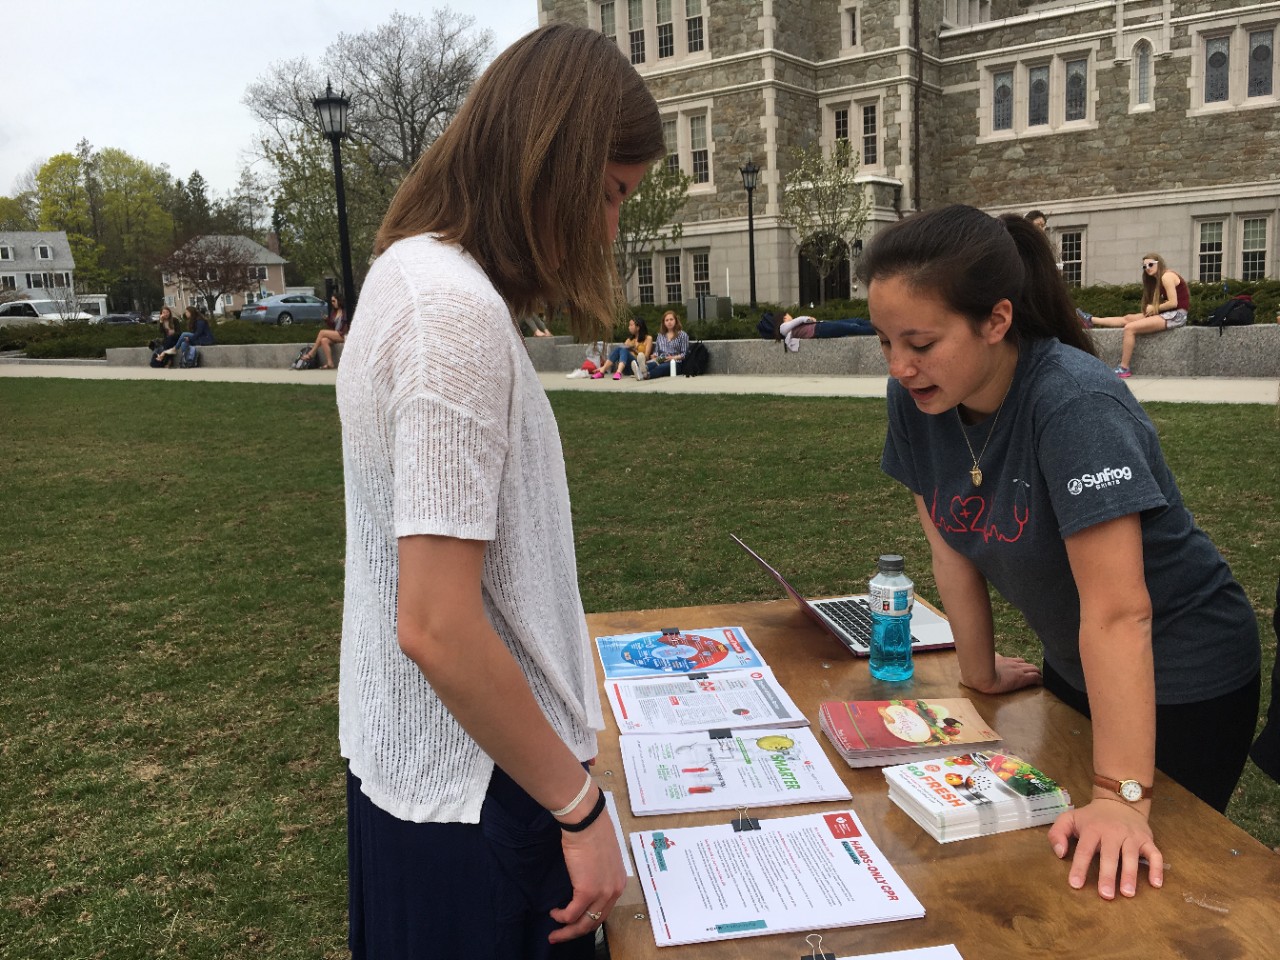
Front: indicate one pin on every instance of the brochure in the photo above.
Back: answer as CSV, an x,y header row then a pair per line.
x,y
870,733
947,952
734,698
975,795
724,770
790,874
672,651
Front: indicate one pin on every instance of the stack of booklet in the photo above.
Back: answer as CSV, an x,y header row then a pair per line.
x,y
876,733
975,794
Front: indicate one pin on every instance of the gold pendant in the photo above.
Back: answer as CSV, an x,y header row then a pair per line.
x,y
976,475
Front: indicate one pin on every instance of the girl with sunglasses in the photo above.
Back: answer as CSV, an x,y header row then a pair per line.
x,y
1165,299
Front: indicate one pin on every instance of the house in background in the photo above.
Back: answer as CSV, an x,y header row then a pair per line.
x,y
1138,127
264,278
37,265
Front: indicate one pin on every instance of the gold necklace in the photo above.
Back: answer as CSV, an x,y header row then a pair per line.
x,y
976,473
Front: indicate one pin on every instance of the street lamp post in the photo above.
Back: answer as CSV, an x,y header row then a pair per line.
x,y
332,109
749,173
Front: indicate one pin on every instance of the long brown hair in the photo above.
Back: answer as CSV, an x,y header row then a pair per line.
x,y
1152,290
517,179
972,261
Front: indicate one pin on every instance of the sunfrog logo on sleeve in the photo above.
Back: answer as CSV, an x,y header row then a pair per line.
x,y
1109,477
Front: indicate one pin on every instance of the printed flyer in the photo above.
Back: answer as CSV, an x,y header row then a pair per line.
x,y
676,651
792,874
734,698
682,772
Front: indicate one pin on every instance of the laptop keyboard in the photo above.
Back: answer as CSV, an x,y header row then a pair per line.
x,y
850,617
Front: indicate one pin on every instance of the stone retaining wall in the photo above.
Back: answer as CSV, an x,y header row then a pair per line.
x,y
1252,351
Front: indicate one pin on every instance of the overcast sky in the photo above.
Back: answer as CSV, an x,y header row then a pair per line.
x,y
164,81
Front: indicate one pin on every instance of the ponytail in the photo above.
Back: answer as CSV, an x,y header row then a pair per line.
x,y
971,261
1043,307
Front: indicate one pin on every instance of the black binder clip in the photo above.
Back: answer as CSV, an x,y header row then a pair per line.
x,y
720,733
697,676
671,631
814,940
744,823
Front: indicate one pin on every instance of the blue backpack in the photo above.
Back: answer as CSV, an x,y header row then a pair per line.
x,y
767,327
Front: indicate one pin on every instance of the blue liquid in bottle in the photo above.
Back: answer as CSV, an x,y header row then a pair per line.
x,y
892,597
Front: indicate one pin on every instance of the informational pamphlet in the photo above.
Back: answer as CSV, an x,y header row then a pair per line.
x,y
948,952
734,698
725,770
791,874
975,794
662,652
870,733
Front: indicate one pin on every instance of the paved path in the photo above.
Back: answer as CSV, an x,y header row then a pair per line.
x,y
1174,389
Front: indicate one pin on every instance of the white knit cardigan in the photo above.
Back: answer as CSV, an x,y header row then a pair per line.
x,y
446,430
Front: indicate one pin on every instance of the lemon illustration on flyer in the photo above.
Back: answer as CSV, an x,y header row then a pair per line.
x,y
672,651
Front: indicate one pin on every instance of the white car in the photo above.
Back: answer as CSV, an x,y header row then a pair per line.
x,y
38,311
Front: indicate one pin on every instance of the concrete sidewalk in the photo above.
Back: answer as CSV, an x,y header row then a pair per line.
x,y
1146,389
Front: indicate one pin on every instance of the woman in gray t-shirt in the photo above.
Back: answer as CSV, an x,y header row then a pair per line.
x,y
1035,471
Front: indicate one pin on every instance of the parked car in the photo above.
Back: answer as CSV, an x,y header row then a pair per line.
x,y
119,318
38,311
286,309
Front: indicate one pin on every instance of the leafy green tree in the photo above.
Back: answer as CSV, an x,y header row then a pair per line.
x,y
136,228
824,205
648,219
20,212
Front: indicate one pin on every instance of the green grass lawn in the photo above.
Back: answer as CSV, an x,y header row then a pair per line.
x,y
171,600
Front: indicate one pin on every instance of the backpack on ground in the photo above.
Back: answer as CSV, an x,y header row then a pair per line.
x,y
189,356
303,362
1236,312
696,360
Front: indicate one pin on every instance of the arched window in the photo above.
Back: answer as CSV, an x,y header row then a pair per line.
x,y
1142,73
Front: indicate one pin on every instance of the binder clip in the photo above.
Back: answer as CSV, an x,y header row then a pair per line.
x,y
720,733
814,940
744,823
671,631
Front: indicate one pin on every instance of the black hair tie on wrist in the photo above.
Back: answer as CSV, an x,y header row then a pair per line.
x,y
589,819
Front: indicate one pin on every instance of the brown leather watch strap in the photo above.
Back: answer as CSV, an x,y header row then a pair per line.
x,y
1114,786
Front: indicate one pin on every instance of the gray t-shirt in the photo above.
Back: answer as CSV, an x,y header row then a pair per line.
x,y
1072,449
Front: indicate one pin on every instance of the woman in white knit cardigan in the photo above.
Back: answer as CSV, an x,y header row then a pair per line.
x,y
467,701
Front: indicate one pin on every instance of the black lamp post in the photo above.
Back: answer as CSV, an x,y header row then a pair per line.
x,y
749,173
332,109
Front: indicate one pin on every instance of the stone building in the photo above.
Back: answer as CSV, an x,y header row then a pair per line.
x,y
1136,125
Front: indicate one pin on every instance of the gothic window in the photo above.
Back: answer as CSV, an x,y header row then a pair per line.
x,y
1142,73
1002,101
1260,62
1217,69
1038,98
1077,89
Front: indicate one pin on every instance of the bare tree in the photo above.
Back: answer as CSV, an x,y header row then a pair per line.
x,y
405,80
824,204
213,266
647,219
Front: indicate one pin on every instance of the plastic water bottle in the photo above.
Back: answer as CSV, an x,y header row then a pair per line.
x,y
892,597
673,368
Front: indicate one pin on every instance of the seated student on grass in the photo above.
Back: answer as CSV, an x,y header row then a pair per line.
x,y
1165,300
1035,472
794,329
638,346
672,344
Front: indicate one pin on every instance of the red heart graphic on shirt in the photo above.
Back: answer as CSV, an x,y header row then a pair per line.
x,y
967,511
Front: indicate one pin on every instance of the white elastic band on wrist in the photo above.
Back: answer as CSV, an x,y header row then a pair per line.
x,y
575,801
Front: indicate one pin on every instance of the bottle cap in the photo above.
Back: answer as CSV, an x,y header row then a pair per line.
x,y
890,562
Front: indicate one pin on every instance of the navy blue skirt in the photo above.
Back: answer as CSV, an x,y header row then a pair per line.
x,y
481,891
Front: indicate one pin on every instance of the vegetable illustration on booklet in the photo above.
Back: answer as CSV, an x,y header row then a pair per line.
x,y
975,794
674,651
871,733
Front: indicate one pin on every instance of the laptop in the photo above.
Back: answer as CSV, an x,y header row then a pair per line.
x,y
848,619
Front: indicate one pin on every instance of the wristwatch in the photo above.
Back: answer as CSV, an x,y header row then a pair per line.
x,y
1130,790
